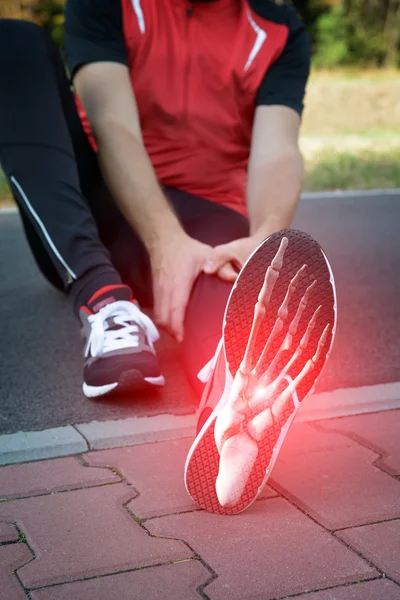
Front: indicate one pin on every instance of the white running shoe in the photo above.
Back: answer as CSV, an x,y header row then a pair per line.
x,y
278,330
119,348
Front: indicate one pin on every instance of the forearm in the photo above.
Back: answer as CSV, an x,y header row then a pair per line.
x,y
273,191
130,176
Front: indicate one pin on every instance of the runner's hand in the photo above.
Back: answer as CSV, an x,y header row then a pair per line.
x,y
175,266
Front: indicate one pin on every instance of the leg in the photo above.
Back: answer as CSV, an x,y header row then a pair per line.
x,y
68,214
212,224
205,221
47,159
130,258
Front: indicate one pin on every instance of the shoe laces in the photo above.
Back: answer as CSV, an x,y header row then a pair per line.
x,y
129,320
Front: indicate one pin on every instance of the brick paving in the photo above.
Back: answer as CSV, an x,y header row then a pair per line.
x,y
179,580
380,432
150,471
12,557
119,524
8,533
331,486
269,552
370,590
379,542
28,479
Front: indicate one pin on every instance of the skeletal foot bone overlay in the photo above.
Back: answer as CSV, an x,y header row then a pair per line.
x,y
255,391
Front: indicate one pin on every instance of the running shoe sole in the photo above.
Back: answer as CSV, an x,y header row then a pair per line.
x,y
130,381
202,464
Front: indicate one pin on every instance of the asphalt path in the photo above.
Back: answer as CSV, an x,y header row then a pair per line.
x,y
41,349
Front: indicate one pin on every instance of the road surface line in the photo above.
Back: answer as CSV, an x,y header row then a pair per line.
x,y
350,194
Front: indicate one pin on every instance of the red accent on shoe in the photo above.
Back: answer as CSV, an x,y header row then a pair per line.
x,y
99,305
107,295
109,288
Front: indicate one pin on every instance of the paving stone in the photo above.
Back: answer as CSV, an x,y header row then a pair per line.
x,y
178,581
269,551
31,479
339,488
380,543
380,431
303,439
12,557
8,533
379,589
156,472
85,533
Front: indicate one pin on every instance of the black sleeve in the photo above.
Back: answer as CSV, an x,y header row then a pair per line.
x,y
285,82
93,33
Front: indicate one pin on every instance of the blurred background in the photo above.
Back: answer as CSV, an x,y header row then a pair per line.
x,y
351,125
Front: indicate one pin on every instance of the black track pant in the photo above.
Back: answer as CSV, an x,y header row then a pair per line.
x,y
76,233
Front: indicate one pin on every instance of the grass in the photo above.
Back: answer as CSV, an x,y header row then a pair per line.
x,y
355,74
332,170
350,135
343,105
21,537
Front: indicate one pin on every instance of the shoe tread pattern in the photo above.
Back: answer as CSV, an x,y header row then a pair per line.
x,y
302,249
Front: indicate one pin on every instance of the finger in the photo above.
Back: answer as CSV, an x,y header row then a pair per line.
x,y
220,255
162,302
261,307
260,398
177,308
280,322
273,272
286,395
227,273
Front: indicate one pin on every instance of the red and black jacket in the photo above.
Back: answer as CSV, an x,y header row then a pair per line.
x,y
198,70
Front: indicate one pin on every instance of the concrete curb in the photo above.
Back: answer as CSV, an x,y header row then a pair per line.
x,y
350,401
350,194
63,441
9,210
133,431
39,445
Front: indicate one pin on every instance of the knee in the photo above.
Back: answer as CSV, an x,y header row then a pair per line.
x,y
21,38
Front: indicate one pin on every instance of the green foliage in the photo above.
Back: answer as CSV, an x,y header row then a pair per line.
x,y
52,18
333,33
362,32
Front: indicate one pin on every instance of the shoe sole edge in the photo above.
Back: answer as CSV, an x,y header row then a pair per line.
x,y
129,381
